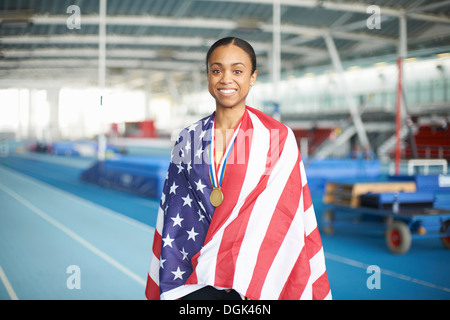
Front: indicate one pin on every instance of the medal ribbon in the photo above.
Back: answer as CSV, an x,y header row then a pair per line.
x,y
217,176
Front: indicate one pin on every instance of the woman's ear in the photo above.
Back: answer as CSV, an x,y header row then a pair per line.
x,y
253,78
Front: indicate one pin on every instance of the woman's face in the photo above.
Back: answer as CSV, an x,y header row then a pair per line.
x,y
230,76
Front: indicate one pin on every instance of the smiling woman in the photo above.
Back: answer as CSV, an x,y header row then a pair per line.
x,y
236,229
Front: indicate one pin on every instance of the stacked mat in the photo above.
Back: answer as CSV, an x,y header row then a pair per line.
x,y
143,175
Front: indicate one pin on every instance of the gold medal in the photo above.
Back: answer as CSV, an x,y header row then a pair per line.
x,y
216,197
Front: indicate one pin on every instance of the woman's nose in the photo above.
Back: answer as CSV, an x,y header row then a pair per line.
x,y
226,78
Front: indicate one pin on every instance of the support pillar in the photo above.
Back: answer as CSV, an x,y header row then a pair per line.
x,y
101,150
53,102
402,49
31,126
148,98
276,56
360,130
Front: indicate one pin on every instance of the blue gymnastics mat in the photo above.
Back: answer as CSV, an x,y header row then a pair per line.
x,y
143,175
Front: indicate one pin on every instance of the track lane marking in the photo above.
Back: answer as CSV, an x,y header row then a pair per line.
x,y
7,284
74,235
364,266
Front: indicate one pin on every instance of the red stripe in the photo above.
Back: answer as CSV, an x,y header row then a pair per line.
x,y
298,278
307,202
313,243
321,287
152,289
193,277
157,244
279,225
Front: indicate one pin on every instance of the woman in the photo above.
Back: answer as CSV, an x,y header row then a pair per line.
x,y
245,232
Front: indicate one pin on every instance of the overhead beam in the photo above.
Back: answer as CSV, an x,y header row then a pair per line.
x,y
116,53
348,7
146,41
222,24
42,63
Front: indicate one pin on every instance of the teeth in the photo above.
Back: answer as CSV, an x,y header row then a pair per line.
x,y
227,91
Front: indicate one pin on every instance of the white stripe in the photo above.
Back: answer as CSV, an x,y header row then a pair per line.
x,y
309,216
180,291
74,236
160,221
309,220
286,257
153,271
317,263
7,285
261,216
303,173
317,266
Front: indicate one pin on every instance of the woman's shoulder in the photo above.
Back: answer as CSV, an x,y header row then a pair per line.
x,y
267,120
197,128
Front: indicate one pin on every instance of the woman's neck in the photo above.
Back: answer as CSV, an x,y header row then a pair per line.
x,y
228,118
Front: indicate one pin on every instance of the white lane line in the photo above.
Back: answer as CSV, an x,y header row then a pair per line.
x,y
74,236
364,266
7,285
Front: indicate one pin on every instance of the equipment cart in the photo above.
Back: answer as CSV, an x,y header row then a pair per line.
x,y
406,214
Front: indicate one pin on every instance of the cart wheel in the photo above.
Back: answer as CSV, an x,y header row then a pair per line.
x,y
327,219
445,228
398,237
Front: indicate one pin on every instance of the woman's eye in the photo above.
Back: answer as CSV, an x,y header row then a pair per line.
x,y
215,71
238,71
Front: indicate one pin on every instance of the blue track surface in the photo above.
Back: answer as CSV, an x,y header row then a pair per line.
x,y
44,231
50,220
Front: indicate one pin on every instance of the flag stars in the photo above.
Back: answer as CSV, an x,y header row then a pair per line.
x,y
188,146
192,127
177,220
202,134
200,185
192,234
187,200
178,274
173,188
199,153
188,167
200,216
184,253
168,241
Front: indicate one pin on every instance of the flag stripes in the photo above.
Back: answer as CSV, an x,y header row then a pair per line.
x,y
263,241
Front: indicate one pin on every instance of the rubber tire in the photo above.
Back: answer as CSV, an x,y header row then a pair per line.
x,y
398,237
328,216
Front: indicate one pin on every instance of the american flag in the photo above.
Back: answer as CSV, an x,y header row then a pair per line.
x,y
262,241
